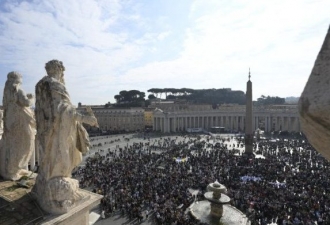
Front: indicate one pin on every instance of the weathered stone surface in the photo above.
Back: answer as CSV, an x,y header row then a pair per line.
x,y
17,143
231,216
1,127
314,103
62,140
62,194
1,120
17,206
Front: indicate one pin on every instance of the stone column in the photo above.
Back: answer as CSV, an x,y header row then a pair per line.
x,y
236,123
154,125
289,124
181,123
276,124
162,124
271,123
168,124
175,124
257,122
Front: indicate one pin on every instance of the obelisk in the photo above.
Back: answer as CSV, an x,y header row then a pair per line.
x,y
248,118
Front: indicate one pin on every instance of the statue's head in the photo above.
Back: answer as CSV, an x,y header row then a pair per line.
x,y
14,80
14,77
55,69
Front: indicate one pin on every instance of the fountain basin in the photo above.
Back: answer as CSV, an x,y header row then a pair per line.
x,y
231,216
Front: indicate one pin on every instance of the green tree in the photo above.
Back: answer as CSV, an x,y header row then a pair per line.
x,y
151,96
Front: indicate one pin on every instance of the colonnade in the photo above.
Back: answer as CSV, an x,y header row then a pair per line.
x,y
173,123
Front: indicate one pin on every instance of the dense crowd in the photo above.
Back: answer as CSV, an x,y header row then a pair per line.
x,y
288,185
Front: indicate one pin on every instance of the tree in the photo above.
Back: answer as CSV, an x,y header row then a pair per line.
x,y
130,98
263,100
151,96
155,91
118,98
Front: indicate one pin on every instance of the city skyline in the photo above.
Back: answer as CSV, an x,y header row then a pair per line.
x,y
109,46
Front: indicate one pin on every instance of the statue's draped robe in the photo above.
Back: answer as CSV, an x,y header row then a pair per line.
x,y
19,133
60,136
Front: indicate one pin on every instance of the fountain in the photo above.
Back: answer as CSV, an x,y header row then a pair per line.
x,y
215,210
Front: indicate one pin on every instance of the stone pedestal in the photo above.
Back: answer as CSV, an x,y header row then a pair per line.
x,y
58,195
78,215
18,206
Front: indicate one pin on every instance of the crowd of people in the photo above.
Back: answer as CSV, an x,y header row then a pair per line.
x,y
287,184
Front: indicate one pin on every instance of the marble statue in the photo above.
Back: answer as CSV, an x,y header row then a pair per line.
x,y
314,103
62,140
17,144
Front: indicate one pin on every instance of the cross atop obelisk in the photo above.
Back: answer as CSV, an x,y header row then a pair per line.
x,y
248,118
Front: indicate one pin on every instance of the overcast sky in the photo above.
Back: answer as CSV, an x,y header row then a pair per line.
x,y
113,45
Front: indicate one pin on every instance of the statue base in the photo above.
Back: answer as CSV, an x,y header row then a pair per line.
x,y
77,215
58,195
18,206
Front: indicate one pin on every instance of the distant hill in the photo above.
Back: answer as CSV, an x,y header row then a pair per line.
x,y
291,100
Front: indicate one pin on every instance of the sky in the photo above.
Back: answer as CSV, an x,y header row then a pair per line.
x,y
111,45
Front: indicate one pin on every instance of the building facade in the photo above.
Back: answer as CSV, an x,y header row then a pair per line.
x,y
148,118
118,119
180,117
